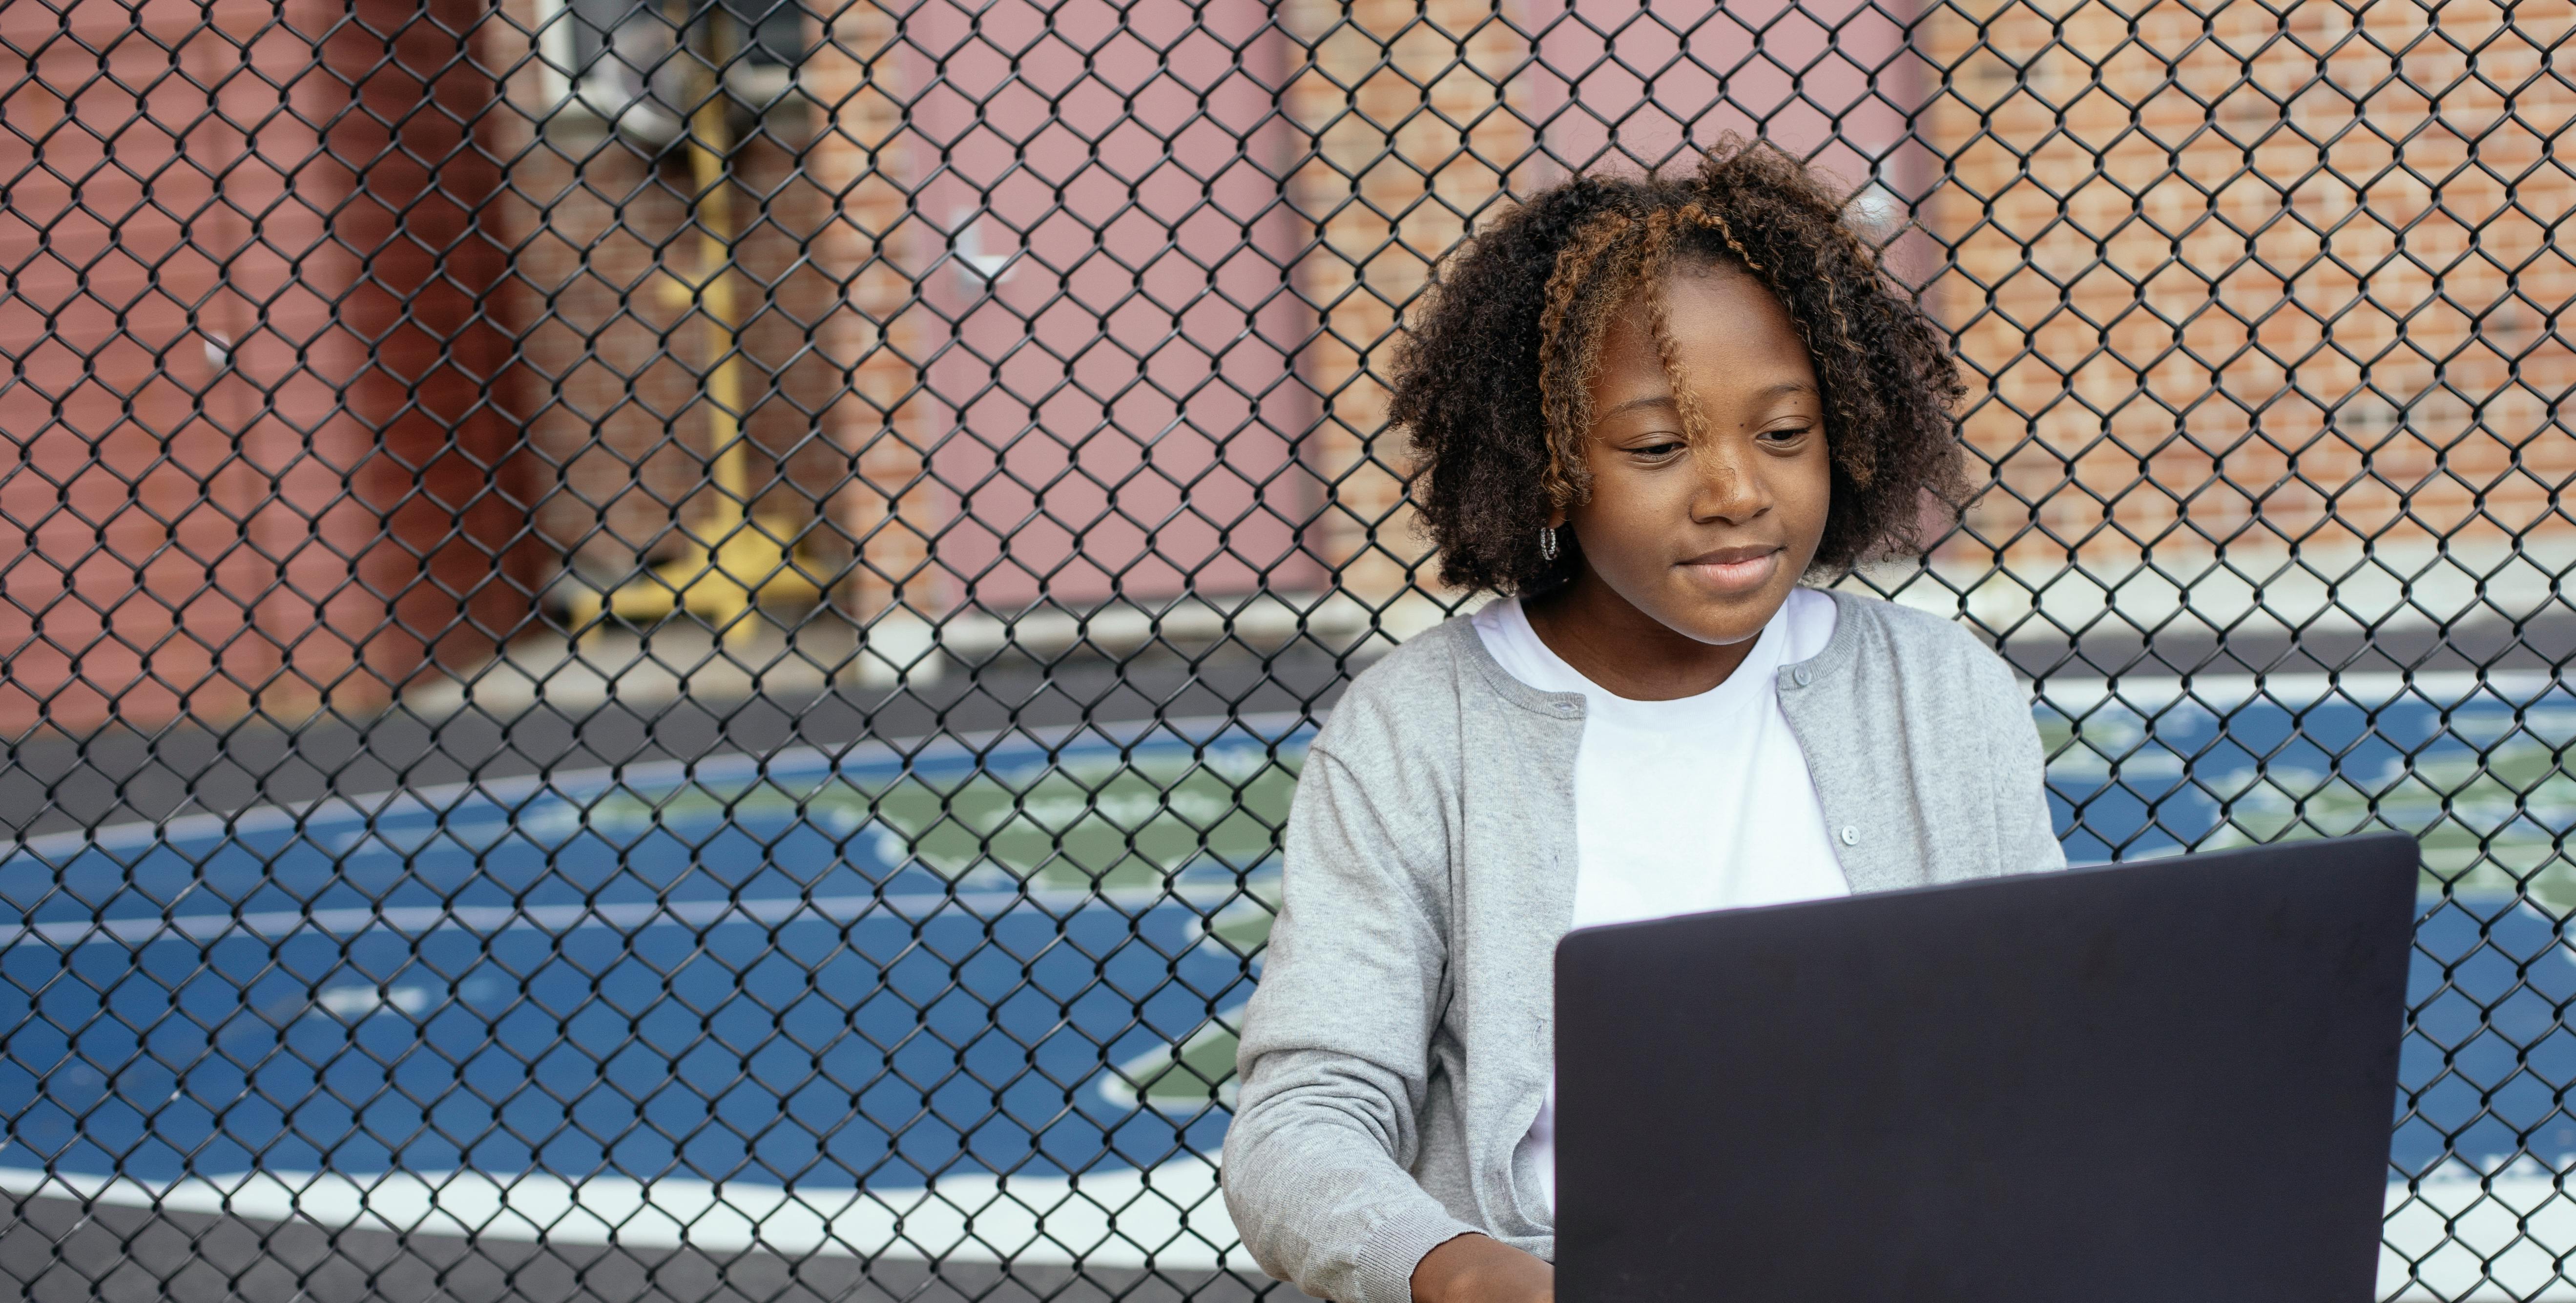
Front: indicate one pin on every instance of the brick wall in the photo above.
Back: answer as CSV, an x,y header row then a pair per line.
x,y
2281,278
1412,121
872,336
246,449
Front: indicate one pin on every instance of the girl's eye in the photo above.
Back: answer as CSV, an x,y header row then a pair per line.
x,y
1791,435
1658,450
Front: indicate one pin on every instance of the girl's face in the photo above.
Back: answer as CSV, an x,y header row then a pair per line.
x,y
1706,537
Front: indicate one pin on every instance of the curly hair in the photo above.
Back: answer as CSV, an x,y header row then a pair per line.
x,y
1492,383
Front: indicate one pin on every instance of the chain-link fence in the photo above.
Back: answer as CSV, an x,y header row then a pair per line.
x,y
655,648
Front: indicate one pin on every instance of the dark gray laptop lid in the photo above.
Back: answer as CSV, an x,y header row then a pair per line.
x,y
2159,1082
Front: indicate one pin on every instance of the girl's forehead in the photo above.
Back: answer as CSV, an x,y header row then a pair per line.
x,y
1731,316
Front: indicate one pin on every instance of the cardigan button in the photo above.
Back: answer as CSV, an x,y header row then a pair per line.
x,y
1851,835
1800,674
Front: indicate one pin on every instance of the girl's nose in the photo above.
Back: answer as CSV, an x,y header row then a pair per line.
x,y
1730,483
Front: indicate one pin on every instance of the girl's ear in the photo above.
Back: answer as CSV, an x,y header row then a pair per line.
x,y
1556,518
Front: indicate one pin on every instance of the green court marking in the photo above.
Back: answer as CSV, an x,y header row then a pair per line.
x,y
1200,1076
2488,828
1098,824
2490,824
1088,823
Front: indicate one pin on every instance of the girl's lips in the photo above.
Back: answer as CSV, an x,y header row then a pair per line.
x,y
1733,571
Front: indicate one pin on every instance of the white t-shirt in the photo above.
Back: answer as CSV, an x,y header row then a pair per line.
x,y
1682,806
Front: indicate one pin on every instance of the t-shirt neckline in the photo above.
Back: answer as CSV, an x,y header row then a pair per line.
x,y
1527,658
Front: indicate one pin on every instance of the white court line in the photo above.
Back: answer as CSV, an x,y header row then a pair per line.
x,y
2479,1241
2437,688
421,920
1172,1217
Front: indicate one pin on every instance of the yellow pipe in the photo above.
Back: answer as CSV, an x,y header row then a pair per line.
x,y
708,144
733,560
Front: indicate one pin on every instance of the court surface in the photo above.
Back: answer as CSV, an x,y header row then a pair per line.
x,y
925,1004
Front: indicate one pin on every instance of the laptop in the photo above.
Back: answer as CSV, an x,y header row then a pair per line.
x,y
2165,1082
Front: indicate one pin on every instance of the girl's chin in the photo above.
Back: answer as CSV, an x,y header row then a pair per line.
x,y
1722,621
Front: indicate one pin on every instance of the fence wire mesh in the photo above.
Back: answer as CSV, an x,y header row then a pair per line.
x,y
654,648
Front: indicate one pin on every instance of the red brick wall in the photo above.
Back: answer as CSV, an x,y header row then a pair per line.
x,y
2219,300
210,496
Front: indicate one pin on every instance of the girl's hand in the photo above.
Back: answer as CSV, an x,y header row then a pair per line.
x,y
1476,1269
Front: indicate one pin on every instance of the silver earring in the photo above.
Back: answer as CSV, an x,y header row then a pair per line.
x,y
1547,542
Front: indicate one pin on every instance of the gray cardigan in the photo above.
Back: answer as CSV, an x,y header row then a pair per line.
x,y
1400,1042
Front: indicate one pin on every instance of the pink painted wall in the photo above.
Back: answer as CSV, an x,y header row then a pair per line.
x,y
1139,346
1630,83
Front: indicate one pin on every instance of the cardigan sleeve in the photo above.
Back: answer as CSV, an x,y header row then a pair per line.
x,y
2026,836
1335,1056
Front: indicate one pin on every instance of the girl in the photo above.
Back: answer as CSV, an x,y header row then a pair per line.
x,y
1644,410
